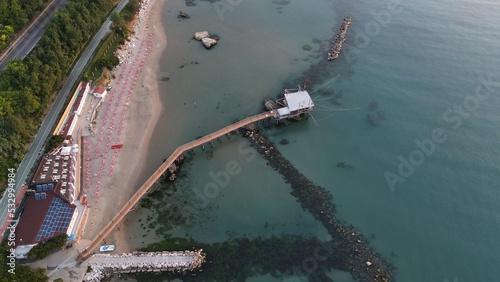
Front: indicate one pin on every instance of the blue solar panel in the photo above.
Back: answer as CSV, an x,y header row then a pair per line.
x,y
44,187
51,186
56,220
37,196
39,188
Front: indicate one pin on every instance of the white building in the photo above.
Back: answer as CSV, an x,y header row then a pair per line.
x,y
100,92
296,103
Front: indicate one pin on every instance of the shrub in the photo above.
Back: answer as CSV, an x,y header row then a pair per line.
x,y
43,249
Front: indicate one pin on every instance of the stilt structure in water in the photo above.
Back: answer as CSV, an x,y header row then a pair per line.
x,y
293,105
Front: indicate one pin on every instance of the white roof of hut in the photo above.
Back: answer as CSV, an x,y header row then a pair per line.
x,y
298,100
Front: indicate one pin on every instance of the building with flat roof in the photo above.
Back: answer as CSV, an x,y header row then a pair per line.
x,y
45,215
100,92
296,103
59,169
51,208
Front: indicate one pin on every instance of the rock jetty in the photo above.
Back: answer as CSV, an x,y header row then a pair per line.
x,y
339,40
353,252
104,265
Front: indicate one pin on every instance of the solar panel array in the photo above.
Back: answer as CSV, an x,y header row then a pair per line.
x,y
41,196
44,187
56,220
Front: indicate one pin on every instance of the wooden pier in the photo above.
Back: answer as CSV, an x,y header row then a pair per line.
x,y
134,200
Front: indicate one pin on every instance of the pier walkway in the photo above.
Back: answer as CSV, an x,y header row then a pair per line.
x,y
160,171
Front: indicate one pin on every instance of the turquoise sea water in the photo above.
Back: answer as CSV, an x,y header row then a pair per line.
x,y
421,64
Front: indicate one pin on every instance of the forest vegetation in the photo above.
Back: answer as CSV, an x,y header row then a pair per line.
x,y
15,15
28,86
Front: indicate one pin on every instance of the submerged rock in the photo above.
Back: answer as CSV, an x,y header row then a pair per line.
x,y
372,118
183,15
373,105
190,3
249,127
284,141
344,165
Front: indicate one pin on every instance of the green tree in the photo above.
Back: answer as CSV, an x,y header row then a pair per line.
x,y
43,249
23,273
53,142
27,86
117,20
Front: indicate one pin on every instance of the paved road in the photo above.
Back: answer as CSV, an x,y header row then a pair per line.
x,y
36,147
33,35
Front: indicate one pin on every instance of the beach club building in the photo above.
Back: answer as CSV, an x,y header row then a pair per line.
x,y
51,208
100,92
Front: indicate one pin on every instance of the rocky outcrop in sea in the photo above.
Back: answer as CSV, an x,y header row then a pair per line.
x,y
207,40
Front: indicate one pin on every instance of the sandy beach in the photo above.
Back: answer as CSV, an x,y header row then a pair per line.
x,y
143,110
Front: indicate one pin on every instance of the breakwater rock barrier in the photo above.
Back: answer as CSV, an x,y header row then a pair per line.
x,y
352,252
339,40
104,265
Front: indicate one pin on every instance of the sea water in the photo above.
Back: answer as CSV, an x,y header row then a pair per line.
x,y
413,66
